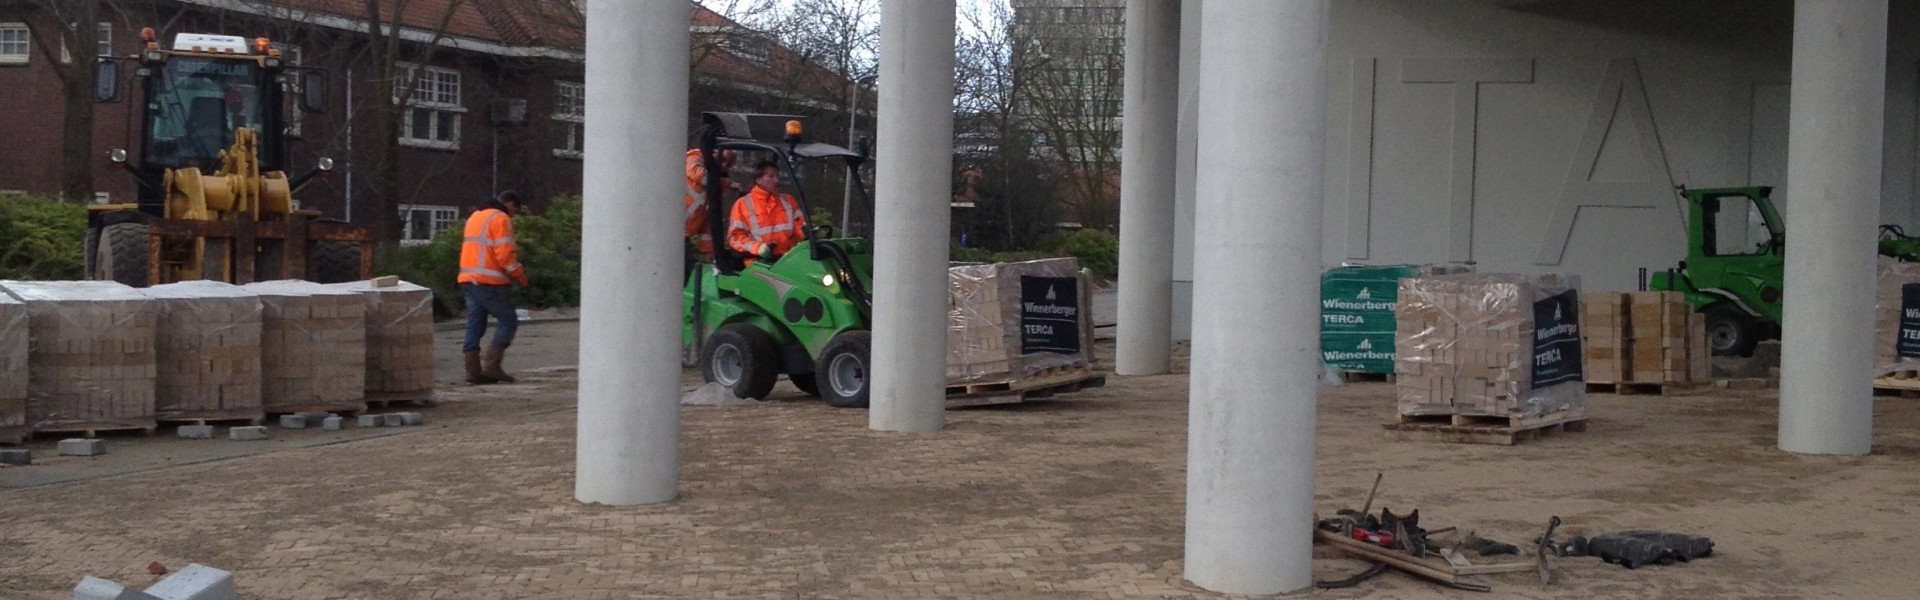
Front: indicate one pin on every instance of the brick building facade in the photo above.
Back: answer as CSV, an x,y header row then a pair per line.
x,y
497,102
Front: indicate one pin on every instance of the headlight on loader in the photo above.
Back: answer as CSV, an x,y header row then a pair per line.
x,y
826,280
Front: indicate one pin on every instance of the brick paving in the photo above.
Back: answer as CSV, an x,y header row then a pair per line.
x,y
1073,498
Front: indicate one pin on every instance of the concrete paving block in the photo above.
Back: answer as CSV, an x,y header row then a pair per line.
x,y
413,418
196,432
315,418
293,421
196,582
16,456
82,447
373,420
95,588
393,420
247,434
333,424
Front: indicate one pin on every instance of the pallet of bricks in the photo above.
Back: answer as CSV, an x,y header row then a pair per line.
x,y
399,322
1897,329
1018,330
1356,317
1644,343
90,358
207,353
313,355
13,370
1491,359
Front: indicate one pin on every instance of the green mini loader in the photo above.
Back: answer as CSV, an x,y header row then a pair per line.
x,y
805,315
1736,262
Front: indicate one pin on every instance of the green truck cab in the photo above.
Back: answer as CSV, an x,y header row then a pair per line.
x,y
1735,266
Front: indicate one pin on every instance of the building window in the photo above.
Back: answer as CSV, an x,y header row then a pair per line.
x,y
570,119
14,43
433,109
748,46
290,88
421,222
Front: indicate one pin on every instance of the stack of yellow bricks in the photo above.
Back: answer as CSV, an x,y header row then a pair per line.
x,y
984,321
313,354
1644,337
13,370
1465,346
1888,300
207,351
399,320
91,361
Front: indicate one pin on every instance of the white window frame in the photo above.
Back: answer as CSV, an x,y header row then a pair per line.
x,y
441,102
26,44
571,119
438,216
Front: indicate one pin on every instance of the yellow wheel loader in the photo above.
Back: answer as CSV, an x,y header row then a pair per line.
x,y
214,198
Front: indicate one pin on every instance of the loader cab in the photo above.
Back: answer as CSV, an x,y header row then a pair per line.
x,y
1735,266
196,94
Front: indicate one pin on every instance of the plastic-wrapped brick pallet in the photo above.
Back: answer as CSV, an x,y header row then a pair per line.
x,y
207,351
90,359
1010,321
13,370
1897,291
1494,345
313,354
399,338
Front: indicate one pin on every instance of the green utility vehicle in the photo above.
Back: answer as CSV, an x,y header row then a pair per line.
x,y
806,314
1735,266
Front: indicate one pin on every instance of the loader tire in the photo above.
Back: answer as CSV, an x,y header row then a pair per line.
x,y
843,370
92,246
334,262
743,358
123,254
805,382
1730,332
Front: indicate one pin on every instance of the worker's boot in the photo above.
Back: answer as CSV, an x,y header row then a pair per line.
x,y
490,365
474,374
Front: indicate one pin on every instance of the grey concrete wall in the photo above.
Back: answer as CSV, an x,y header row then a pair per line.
x,y
1563,155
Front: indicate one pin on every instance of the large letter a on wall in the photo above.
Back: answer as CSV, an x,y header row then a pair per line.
x,y
1620,102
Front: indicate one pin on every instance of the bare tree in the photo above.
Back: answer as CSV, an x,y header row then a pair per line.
x,y
1070,94
69,29
998,168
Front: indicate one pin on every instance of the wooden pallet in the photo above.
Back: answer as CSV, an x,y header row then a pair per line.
x,y
1480,429
214,420
384,400
1060,380
346,409
1896,386
93,429
1365,377
1648,388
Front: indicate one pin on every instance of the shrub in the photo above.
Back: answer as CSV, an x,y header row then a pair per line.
x,y
1097,250
43,239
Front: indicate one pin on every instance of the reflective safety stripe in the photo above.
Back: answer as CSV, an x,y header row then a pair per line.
x,y
482,271
773,229
487,242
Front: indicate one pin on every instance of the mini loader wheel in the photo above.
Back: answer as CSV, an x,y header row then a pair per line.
x,y
1731,332
843,370
123,254
743,358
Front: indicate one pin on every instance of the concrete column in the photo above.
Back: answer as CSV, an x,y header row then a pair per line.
x,y
912,189
1146,187
1256,295
1834,137
1186,144
628,451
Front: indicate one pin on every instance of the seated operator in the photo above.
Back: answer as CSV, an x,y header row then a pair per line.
x,y
765,223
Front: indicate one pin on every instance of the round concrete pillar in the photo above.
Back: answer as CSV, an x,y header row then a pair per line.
x,y
628,450
912,189
1834,138
1256,317
1147,187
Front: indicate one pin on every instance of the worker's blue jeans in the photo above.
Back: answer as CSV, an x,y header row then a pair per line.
x,y
484,300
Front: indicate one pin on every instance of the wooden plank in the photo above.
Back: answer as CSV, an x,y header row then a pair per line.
x,y
295,254
1430,568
